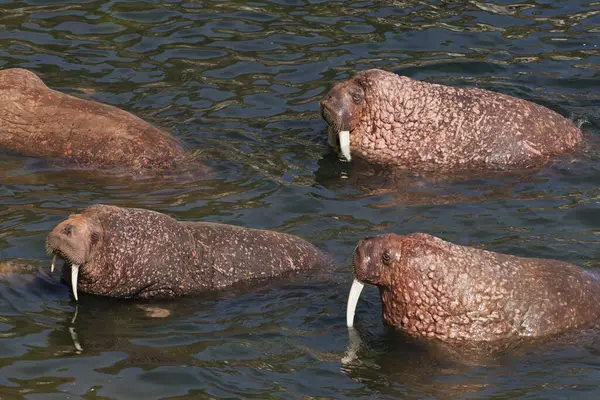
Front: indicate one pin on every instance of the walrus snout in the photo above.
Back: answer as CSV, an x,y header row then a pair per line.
x,y
334,122
362,257
332,116
337,109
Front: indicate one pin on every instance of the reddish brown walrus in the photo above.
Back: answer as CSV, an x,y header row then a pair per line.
x,y
389,119
136,253
435,289
40,122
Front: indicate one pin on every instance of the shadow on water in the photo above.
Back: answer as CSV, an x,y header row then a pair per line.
x,y
385,359
358,179
249,327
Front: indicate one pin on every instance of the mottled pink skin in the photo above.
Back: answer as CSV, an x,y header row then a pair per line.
x,y
40,122
394,120
435,289
136,253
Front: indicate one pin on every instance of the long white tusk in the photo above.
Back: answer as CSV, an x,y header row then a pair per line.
x,y
74,275
53,263
357,287
345,144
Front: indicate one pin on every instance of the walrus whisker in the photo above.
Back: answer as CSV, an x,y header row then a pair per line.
x,y
353,296
74,275
56,253
332,137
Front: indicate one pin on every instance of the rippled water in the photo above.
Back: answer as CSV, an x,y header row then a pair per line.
x,y
240,82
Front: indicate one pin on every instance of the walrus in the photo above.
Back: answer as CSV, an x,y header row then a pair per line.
x,y
137,253
435,289
40,122
393,120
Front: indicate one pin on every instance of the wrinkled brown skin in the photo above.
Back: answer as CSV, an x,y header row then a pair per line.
x,y
420,126
435,289
137,253
40,122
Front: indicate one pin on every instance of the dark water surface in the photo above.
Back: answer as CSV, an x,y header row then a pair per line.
x,y
240,82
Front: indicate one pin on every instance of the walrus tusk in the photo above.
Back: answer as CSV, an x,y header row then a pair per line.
x,y
345,144
357,287
74,274
53,263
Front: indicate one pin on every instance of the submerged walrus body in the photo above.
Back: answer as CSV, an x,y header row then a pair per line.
x,y
393,120
136,253
435,289
40,122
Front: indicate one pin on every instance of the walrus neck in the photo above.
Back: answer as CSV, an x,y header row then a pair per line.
x,y
387,107
415,307
393,307
99,275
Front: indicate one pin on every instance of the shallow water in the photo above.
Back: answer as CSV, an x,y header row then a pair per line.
x,y
240,82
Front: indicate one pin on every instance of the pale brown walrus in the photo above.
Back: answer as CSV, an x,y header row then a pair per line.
x,y
40,122
136,253
435,289
393,120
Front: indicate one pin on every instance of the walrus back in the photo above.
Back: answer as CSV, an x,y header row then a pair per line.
x,y
425,126
489,128
41,122
502,295
238,254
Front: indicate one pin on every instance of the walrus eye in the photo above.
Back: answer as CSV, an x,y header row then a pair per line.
x,y
357,97
386,257
95,237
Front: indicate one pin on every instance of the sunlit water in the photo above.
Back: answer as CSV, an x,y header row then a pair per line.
x,y
239,82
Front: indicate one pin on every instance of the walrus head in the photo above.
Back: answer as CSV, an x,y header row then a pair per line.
x,y
74,240
420,283
374,260
360,110
342,108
